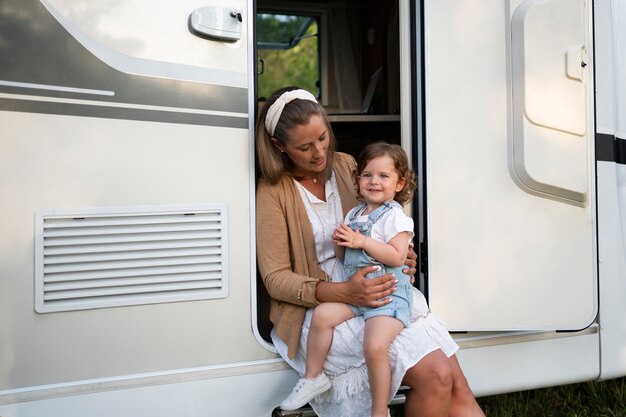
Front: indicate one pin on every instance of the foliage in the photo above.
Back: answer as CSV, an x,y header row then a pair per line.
x,y
279,28
297,66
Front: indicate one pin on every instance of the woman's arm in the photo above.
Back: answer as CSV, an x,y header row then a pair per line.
x,y
274,253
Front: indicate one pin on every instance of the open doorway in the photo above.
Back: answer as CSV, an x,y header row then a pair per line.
x,y
347,54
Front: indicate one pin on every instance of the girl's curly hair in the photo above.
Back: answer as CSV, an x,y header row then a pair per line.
x,y
400,162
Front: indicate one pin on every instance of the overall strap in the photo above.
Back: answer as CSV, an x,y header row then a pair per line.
x,y
358,209
384,208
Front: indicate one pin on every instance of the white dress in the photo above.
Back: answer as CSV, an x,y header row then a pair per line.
x,y
345,365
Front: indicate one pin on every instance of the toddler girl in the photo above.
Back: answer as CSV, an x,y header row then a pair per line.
x,y
378,232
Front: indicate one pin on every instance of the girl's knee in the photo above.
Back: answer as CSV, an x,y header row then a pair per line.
x,y
324,316
329,315
375,350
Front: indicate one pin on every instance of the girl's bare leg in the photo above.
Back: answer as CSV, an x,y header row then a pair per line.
x,y
379,333
431,382
463,402
325,317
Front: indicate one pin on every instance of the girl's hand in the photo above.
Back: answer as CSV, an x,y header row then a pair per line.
x,y
344,236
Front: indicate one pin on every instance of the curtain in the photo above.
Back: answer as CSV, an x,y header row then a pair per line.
x,y
345,93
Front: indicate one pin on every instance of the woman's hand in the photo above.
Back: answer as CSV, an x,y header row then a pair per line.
x,y
365,292
411,263
370,292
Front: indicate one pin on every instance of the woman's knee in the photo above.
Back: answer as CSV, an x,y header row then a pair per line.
x,y
441,374
433,370
460,388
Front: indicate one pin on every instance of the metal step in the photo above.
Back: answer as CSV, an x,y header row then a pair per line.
x,y
307,411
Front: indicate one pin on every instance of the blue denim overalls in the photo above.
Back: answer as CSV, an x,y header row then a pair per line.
x,y
355,259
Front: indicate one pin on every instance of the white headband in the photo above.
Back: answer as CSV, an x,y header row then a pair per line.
x,y
276,109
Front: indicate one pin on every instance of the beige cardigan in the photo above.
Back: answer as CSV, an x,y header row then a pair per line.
x,y
286,249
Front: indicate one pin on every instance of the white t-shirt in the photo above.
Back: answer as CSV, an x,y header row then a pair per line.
x,y
389,225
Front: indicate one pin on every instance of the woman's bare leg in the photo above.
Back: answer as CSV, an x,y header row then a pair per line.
x,y
430,381
463,403
325,317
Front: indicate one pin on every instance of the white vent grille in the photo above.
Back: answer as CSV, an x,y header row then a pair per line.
x,y
113,257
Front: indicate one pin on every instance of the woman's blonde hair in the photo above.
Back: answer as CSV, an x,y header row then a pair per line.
x,y
400,162
272,163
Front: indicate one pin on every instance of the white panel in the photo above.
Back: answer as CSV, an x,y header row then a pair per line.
x,y
499,258
49,161
217,391
549,63
127,256
153,38
513,367
612,268
549,72
619,66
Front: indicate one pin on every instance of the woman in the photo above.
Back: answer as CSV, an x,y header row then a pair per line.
x,y
304,192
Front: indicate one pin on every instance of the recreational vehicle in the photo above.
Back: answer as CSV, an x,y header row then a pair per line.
x,y
128,278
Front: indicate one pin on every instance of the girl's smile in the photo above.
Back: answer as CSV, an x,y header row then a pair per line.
x,y
379,182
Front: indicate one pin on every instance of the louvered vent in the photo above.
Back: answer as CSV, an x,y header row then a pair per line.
x,y
115,257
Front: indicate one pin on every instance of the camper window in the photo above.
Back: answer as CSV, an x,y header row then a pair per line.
x,y
288,51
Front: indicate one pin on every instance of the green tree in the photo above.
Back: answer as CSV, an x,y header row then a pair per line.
x,y
297,65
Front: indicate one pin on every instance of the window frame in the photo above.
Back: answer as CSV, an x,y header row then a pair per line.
x,y
312,9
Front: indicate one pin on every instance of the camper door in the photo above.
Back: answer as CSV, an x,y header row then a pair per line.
x,y
509,164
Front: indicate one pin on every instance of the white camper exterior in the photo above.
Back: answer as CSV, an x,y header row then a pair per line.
x,y
128,282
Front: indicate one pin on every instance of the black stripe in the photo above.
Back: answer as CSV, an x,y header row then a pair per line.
x,y
620,151
610,148
73,109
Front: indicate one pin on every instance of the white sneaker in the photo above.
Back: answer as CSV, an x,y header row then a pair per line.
x,y
304,391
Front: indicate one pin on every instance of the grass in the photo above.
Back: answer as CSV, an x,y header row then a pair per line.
x,y
588,399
